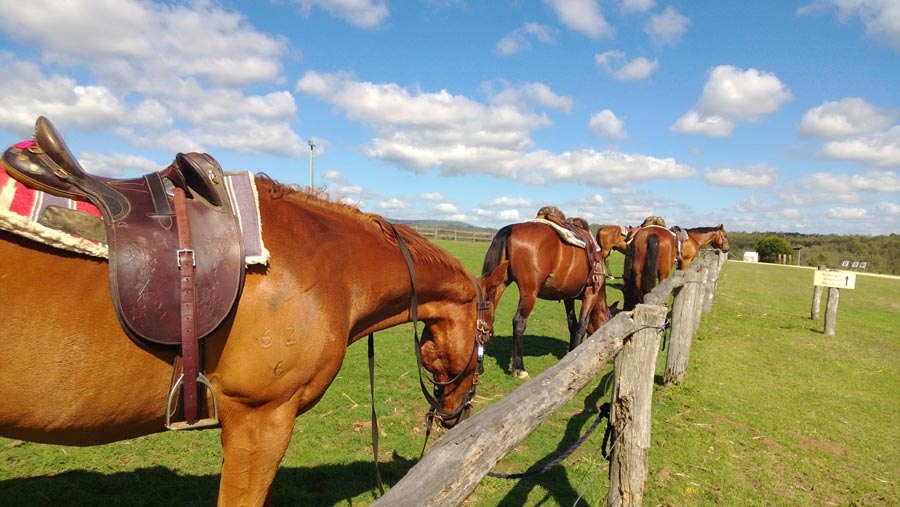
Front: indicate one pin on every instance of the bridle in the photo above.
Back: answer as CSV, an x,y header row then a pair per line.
x,y
481,336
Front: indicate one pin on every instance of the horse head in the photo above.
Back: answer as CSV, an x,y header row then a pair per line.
x,y
452,350
721,239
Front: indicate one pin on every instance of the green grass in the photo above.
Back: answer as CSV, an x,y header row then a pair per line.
x,y
772,413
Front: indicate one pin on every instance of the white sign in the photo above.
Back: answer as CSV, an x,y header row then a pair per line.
x,y
839,279
845,264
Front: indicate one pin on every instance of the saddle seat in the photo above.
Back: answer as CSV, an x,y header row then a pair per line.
x,y
581,230
142,235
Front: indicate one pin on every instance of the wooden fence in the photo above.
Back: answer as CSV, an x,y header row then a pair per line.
x,y
457,463
455,234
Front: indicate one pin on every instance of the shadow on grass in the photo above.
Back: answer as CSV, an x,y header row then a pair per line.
x,y
500,348
327,485
554,480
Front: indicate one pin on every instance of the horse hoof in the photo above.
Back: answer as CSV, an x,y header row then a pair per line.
x,y
522,375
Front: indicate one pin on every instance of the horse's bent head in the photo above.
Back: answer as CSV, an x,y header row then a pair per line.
x,y
453,349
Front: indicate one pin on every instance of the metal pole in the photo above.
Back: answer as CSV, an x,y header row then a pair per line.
x,y
312,147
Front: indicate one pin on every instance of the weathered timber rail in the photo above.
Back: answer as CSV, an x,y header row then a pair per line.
x,y
631,338
455,234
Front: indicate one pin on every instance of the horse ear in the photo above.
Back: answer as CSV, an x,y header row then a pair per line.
x,y
720,227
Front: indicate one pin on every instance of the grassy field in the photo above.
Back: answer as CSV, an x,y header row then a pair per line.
x,y
772,413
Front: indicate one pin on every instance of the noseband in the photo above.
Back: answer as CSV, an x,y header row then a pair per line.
x,y
482,335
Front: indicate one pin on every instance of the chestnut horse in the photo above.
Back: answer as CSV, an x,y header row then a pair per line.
x,y
699,237
649,259
70,375
543,266
611,237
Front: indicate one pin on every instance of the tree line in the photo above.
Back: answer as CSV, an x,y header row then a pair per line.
x,y
880,253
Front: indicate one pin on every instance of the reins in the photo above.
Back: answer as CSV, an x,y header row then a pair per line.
x,y
482,334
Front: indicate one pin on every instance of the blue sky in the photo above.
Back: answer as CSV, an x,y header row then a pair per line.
x,y
763,115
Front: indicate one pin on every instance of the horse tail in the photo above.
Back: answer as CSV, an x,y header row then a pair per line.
x,y
497,251
651,265
629,290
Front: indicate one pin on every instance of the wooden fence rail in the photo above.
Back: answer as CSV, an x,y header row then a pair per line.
x,y
455,234
460,459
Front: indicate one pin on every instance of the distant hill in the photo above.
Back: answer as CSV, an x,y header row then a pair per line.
x,y
443,224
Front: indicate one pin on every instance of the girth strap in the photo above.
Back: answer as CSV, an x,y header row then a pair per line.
x,y
189,345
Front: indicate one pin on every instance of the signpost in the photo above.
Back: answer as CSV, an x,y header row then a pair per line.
x,y
835,280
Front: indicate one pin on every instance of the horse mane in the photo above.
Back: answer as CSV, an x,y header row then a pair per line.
x,y
420,249
702,230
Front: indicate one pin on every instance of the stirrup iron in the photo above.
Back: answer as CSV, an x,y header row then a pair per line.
x,y
199,423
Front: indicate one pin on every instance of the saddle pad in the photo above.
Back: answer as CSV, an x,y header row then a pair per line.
x,y
564,234
22,207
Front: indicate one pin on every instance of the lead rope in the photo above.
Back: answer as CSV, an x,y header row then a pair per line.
x,y
414,316
378,480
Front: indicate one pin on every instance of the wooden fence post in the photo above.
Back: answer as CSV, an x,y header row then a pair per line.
x,y
817,298
632,395
831,308
703,280
686,298
460,459
714,263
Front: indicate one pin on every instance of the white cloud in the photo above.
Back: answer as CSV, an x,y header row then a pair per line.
x,y
181,58
520,39
431,196
881,17
522,97
742,94
693,122
445,208
607,124
392,204
117,165
847,213
755,176
729,95
888,208
361,13
846,117
667,27
502,216
879,150
420,131
583,16
617,65
636,5
512,202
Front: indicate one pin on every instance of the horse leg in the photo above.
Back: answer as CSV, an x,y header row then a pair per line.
x,y
571,320
520,321
254,440
587,305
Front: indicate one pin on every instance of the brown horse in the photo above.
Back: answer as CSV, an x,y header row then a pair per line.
x,y
543,266
649,259
611,237
699,237
70,375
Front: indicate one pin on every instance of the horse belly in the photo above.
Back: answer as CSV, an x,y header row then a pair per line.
x,y
68,373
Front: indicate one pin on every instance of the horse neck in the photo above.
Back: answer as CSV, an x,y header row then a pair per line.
x,y
701,238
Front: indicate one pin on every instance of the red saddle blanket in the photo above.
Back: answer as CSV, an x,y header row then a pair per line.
x,y
21,209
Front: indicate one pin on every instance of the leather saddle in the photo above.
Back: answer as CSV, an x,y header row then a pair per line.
x,y
139,218
176,258
579,228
